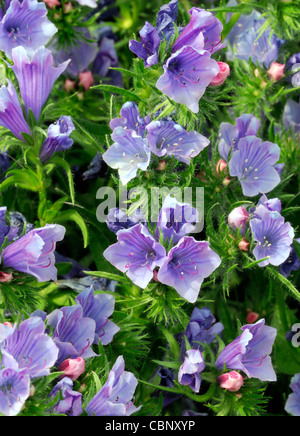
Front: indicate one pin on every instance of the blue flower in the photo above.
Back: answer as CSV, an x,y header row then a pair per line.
x,y
130,119
291,116
119,220
70,403
25,24
292,405
58,138
147,49
291,264
166,18
190,370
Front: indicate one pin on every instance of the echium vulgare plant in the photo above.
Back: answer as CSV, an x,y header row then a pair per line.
x,y
149,196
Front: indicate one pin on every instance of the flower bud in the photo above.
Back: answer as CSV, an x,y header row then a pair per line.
x,y
276,71
69,85
9,324
238,219
72,368
221,166
86,80
252,317
5,277
220,78
232,381
244,245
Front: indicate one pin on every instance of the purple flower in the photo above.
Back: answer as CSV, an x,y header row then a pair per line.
x,y
34,253
8,232
291,264
4,165
73,333
107,57
203,32
11,115
36,76
167,138
250,352
238,219
14,390
272,205
34,351
115,397
128,153
71,402
253,163
187,73
176,219
291,116
187,265
273,236
58,138
147,49
131,119
292,405
25,24
119,220
190,370
229,134
202,328
137,254
99,308
165,20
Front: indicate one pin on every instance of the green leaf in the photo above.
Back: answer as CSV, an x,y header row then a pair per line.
x,y
285,282
60,162
73,215
121,91
24,179
106,275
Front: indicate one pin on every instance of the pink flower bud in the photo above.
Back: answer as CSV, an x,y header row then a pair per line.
x,y
276,71
252,317
220,78
86,80
162,165
9,324
221,166
155,274
232,381
69,85
72,368
244,245
238,219
226,181
52,3
68,7
5,277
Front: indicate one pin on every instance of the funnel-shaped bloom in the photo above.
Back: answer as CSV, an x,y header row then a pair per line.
x,y
14,390
292,405
58,138
187,265
25,24
36,76
130,119
190,370
11,114
165,20
147,49
34,253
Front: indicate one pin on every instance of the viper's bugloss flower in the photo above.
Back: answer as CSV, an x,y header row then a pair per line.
x,y
116,395
72,368
291,264
238,219
166,18
36,76
253,163
11,114
274,238
147,49
291,116
222,75
130,119
231,381
137,254
58,138
202,328
71,402
176,219
204,32
250,352
187,73
34,253
276,71
99,308
117,219
128,154
187,265
33,349
73,333
4,164
190,371
106,58
292,405
6,231
25,24
14,390
167,138
272,205
229,134
245,44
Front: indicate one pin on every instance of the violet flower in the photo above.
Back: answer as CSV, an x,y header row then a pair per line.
x,y
117,219
11,114
99,308
274,238
250,352
291,264
176,220
292,405
253,163
187,265
25,24
167,138
128,154
190,370
115,397
291,116
166,18
14,390
106,58
4,165
147,49
34,253
36,76
58,138
6,231
131,119
187,73
137,254
71,402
